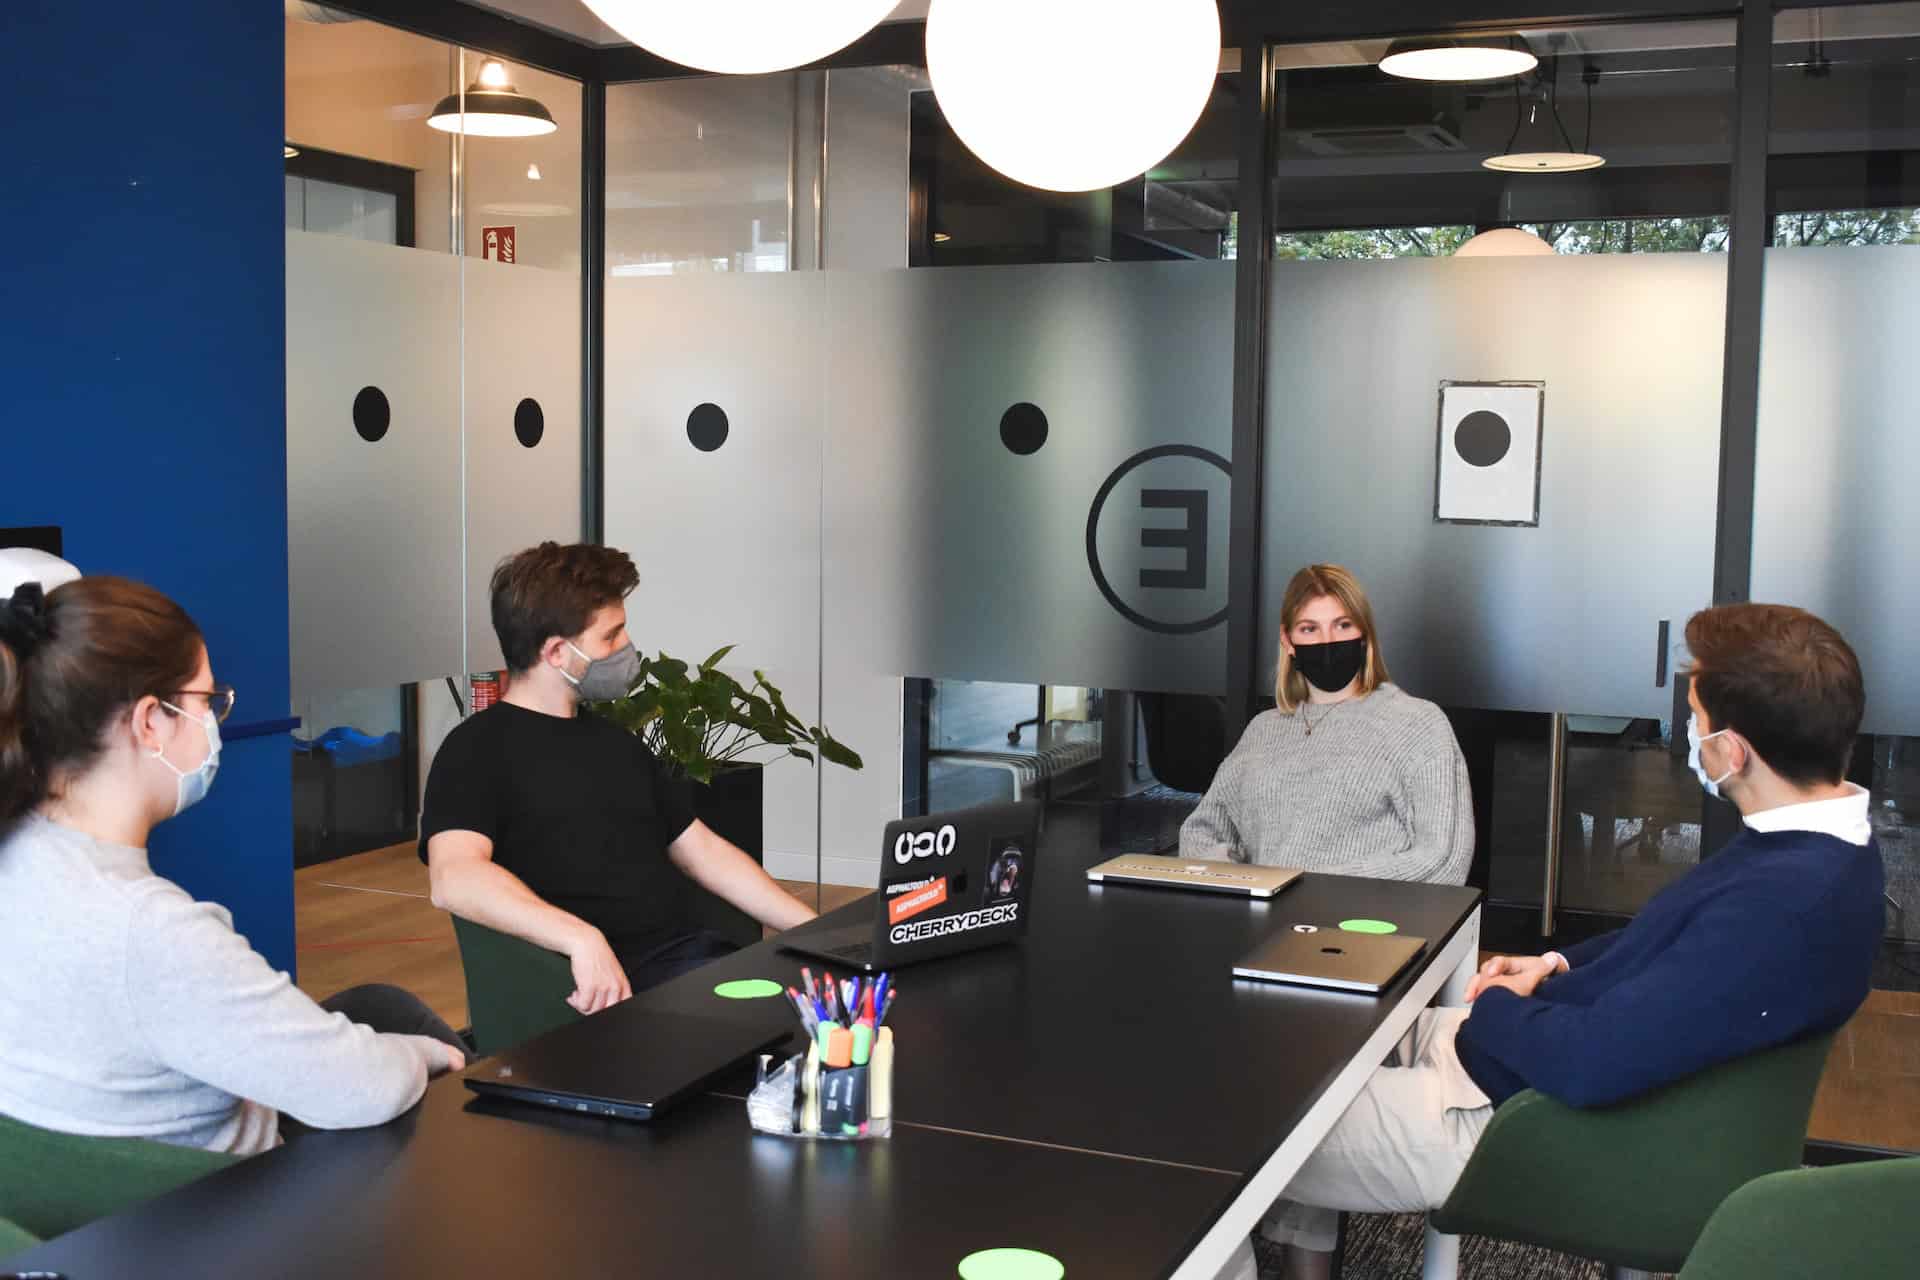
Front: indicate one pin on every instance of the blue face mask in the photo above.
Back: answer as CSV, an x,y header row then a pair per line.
x,y
1694,740
193,784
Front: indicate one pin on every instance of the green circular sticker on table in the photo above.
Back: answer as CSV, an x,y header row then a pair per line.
x,y
747,989
1369,926
1011,1264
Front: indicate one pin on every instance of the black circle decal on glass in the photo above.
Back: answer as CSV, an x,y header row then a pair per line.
x,y
1482,438
372,415
529,424
1023,428
707,427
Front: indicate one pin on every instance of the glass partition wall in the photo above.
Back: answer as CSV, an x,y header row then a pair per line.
x,y
433,374
977,520
1531,581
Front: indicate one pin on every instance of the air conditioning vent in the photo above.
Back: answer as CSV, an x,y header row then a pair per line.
x,y
1387,140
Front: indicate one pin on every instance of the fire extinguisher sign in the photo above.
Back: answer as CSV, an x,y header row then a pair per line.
x,y
497,243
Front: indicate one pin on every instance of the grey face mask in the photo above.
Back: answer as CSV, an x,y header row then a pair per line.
x,y
605,678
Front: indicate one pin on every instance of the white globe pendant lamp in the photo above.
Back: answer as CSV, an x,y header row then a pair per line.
x,y
742,37
1505,242
1072,95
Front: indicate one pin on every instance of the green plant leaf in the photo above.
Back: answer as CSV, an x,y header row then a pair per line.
x,y
716,658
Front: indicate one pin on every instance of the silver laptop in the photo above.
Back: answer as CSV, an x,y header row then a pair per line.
x,y
1316,956
1242,878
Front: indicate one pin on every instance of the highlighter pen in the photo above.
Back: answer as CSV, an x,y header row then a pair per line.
x,y
862,1042
810,1111
880,1076
839,1051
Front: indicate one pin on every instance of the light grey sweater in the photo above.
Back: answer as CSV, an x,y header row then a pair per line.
x,y
1379,789
129,1009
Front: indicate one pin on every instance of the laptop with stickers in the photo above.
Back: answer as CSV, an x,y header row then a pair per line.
x,y
949,882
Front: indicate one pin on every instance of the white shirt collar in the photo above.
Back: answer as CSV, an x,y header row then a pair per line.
x,y
1843,817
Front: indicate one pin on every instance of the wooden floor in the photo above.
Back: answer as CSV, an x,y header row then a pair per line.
x,y
367,919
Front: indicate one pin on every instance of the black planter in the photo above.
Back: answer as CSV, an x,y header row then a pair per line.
x,y
731,805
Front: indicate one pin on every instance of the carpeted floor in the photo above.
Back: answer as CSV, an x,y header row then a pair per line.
x,y
1390,1247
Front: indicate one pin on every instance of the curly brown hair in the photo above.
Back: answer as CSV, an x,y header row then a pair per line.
x,y
553,590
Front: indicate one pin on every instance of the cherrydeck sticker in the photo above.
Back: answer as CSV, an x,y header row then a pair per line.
x,y
925,898
966,922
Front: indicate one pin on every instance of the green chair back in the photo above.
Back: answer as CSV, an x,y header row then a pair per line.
x,y
15,1238
1853,1220
515,990
1634,1184
52,1183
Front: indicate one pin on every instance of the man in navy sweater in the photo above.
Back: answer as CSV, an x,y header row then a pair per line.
x,y
1770,940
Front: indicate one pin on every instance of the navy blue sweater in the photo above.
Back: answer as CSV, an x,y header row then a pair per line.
x,y
1769,940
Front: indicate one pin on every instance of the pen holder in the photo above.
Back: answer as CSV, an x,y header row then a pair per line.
x,y
804,1098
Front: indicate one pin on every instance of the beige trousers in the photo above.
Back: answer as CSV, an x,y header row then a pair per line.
x,y
1398,1149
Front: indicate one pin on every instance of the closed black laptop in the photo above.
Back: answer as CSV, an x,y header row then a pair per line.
x,y
626,1062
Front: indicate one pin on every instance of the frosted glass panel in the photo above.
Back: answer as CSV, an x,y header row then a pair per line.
x,y
726,536
1563,617
1835,521
954,552
523,425
373,526
351,211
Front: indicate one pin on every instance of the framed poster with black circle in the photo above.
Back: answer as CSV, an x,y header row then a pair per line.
x,y
1491,437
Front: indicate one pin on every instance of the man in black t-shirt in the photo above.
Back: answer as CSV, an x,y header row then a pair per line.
x,y
564,829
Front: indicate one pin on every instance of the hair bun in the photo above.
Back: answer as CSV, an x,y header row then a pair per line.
x,y
23,620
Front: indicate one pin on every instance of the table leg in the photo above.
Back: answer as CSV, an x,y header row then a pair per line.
x,y
1453,994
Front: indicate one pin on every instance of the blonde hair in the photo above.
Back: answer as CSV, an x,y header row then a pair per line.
x,y
1308,585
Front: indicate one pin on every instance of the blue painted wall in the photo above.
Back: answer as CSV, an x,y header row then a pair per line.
x,y
143,343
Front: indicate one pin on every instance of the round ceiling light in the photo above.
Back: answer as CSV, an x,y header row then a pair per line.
x,y
1505,242
492,108
1543,161
1071,95
1459,58
742,37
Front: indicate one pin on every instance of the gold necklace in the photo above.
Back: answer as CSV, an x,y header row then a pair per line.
x,y
1313,724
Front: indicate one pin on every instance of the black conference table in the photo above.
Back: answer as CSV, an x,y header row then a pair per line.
x,y
1105,1092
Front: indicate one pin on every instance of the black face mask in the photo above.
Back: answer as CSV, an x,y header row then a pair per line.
x,y
1330,667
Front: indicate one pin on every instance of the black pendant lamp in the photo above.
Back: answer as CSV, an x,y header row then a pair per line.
x,y
492,108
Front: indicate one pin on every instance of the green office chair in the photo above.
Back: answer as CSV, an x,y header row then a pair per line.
x,y
15,1239
1855,1220
1633,1184
52,1183
515,990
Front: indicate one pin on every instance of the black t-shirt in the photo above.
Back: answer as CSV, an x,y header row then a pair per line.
x,y
577,808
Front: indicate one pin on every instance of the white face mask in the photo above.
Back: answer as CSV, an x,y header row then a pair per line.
x,y
1694,740
193,784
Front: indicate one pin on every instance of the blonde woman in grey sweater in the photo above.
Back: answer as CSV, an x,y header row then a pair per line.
x,y
1348,774
127,1008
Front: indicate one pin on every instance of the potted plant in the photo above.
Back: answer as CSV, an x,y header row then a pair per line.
x,y
706,725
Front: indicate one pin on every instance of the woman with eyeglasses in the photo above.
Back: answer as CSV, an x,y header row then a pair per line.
x,y
127,1008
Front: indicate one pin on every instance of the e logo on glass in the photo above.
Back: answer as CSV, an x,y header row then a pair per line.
x,y
1161,573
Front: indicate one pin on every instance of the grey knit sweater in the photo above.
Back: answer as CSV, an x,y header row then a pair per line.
x,y
128,1009
1378,789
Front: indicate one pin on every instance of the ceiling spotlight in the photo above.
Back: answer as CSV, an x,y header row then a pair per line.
x,y
290,151
1459,58
492,108
533,173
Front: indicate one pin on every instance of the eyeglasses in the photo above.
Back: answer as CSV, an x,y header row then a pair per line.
x,y
220,699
